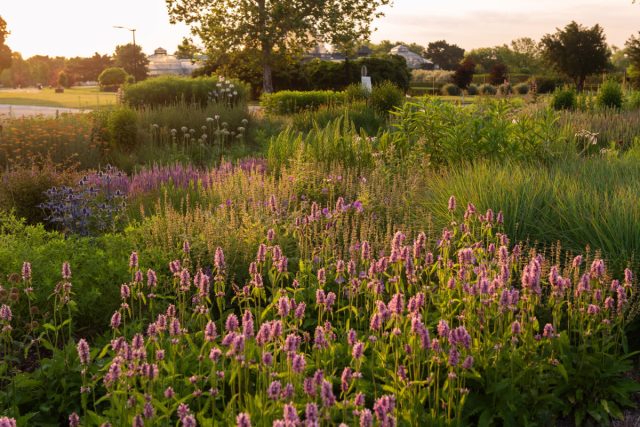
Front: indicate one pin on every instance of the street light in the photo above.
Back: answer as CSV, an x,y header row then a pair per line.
x,y
133,32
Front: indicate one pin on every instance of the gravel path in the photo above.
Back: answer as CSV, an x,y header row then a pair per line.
x,y
12,111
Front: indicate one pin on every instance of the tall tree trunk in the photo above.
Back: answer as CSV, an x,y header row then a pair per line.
x,y
267,79
266,46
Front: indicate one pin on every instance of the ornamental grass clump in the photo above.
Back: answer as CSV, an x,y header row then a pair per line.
x,y
470,330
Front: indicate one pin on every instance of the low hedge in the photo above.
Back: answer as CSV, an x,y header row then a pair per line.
x,y
170,90
290,102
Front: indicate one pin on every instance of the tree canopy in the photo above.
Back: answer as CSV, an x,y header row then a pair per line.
x,y
5,52
446,56
275,25
131,58
577,51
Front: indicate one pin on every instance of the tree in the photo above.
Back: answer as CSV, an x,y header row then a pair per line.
x,y
5,52
464,73
133,60
577,51
186,49
498,74
87,69
632,49
112,78
446,56
275,25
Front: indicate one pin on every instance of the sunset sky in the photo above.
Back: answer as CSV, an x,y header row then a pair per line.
x,y
78,28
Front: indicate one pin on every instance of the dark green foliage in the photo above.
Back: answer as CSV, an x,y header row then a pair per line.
x,y
521,88
610,95
170,90
445,55
5,52
487,89
122,128
289,102
112,78
355,92
133,60
363,118
338,75
451,89
547,84
564,99
577,51
385,97
472,89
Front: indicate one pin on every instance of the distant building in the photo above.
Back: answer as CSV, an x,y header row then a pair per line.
x,y
162,64
414,61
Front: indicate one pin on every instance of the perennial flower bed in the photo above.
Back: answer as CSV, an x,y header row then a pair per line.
x,y
475,330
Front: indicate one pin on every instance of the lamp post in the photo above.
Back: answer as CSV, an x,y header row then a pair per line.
x,y
133,32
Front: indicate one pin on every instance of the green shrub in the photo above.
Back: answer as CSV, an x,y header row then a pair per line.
x,y
22,188
521,88
170,90
633,100
505,89
363,118
472,89
112,78
355,92
123,129
451,89
487,89
63,79
547,84
386,97
289,102
564,99
610,95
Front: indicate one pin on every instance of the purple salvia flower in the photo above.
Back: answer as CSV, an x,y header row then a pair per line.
x,y
549,332
454,357
298,363
311,413
515,328
291,415
218,260
210,331
138,421
125,291
326,393
26,271
300,308
83,352
74,420
243,420
133,260
366,418
358,350
66,271
247,324
274,390
468,362
452,204
5,313
322,276
628,276
232,323
189,421
262,253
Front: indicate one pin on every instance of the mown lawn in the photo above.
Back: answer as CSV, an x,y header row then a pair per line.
x,y
71,98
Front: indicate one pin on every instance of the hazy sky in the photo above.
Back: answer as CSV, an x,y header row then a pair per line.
x,y
81,27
